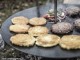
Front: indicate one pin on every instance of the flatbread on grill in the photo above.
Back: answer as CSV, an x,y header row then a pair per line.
x,y
38,30
23,40
47,40
19,28
20,20
70,42
37,21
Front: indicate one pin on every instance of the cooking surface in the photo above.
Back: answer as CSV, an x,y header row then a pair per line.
x,y
53,52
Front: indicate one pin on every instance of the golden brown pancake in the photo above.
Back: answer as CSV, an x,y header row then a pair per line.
x,y
23,40
37,21
19,28
70,42
47,40
38,30
20,20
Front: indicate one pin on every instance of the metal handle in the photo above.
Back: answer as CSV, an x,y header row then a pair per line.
x,y
55,9
38,9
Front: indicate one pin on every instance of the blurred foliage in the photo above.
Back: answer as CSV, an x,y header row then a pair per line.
x,y
8,7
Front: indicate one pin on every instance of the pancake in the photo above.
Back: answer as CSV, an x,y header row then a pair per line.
x,y
37,21
19,28
70,42
20,20
23,40
47,40
38,30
